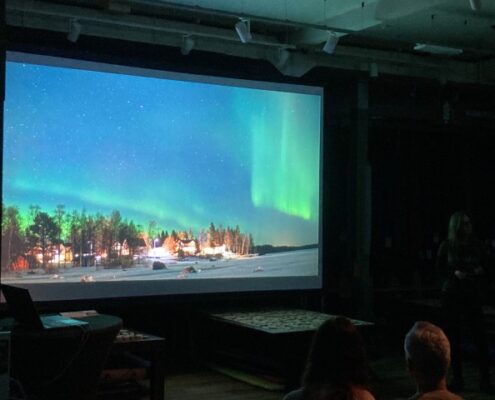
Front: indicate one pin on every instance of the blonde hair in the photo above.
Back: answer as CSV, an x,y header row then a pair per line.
x,y
428,350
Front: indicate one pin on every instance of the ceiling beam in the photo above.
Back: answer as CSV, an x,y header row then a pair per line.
x,y
216,40
196,9
86,16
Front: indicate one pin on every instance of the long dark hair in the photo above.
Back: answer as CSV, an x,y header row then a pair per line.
x,y
457,238
337,360
456,222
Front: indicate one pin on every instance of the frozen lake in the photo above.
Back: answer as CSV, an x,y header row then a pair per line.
x,y
291,263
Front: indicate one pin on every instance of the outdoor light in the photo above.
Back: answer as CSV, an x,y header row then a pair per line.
x,y
74,30
331,43
243,29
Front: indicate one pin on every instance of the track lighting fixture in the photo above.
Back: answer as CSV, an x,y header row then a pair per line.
x,y
243,29
283,57
475,5
331,43
187,45
74,30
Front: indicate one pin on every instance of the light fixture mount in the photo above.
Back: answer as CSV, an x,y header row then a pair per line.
x,y
187,45
243,29
331,43
475,5
75,28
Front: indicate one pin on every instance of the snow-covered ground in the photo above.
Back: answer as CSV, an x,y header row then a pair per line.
x,y
291,263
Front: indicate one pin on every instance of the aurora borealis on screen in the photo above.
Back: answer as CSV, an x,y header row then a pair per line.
x,y
181,153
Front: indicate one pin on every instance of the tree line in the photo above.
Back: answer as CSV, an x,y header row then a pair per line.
x,y
89,235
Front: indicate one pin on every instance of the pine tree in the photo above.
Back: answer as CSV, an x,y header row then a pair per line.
x,y
43,232
12,240
212,235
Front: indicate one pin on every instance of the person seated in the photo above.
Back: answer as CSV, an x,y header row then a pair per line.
x,y
427,352
337,366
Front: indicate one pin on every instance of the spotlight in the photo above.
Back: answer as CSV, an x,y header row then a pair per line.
x,y
475,5
187,45
331,43
243,29
74,30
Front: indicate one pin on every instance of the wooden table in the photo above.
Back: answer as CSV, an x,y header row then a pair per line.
x,y
151,348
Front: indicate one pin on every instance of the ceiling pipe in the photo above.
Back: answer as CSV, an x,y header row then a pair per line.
x,y
347,58
133,21
237,15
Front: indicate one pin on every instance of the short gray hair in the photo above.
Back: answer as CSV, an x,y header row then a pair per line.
x,y
428,350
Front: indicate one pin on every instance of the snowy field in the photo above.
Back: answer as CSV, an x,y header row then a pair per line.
x,y
291,263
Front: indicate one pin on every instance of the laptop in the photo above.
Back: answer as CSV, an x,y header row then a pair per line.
x,y
22,308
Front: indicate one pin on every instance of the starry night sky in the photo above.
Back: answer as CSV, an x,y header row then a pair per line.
x,y
183,154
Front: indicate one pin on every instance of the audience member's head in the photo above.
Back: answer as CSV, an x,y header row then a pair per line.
x,y
427,351
337,356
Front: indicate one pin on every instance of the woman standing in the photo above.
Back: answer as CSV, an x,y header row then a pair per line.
x,y
460,262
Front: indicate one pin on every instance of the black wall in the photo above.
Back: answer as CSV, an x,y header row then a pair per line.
x,y
426,163
432,151
168,313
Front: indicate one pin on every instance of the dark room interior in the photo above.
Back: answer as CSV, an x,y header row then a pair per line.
x,y
198,186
